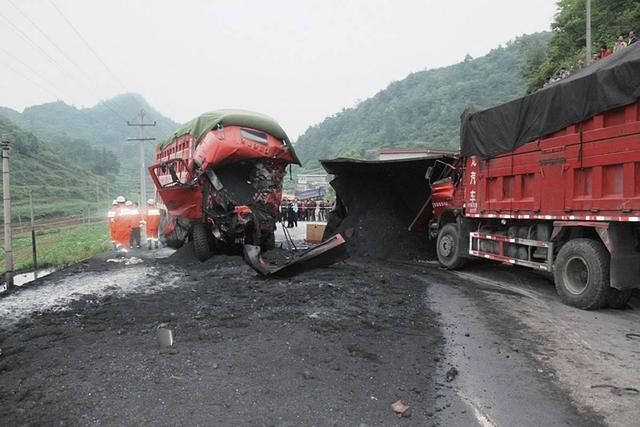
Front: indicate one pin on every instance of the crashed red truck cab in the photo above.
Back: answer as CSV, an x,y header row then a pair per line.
x,y
219,178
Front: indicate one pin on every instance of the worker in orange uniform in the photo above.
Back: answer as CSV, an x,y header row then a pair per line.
x,y
111,219
133,220
152,221
120,225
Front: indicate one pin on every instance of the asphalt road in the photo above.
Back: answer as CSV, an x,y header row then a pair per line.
x,y
490,345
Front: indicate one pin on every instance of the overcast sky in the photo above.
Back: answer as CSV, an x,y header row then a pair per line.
x,y
295,60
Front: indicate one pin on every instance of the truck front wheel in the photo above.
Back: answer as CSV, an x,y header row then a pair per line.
x,y
200,235
581,274
448,247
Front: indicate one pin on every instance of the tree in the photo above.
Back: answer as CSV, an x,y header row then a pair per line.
x,y
609,19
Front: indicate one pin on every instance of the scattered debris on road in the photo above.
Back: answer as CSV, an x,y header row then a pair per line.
x,y
329,252
399,407
451,374
618,391
165,336
126,261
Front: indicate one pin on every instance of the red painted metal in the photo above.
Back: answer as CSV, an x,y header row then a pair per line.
x,y
588,171
218,147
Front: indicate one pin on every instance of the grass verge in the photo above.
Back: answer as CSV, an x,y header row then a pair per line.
x,y
59,248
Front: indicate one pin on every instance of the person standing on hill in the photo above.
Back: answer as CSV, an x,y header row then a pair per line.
x,y
632,38
620,44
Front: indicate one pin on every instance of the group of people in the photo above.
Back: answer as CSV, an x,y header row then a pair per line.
x,y
295,210
622,42
126,222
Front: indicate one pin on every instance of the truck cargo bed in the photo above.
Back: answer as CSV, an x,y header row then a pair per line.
x,y
588,171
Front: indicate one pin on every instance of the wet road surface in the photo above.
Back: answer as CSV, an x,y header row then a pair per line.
x,y
335,346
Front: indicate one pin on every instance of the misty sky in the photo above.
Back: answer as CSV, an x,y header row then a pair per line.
x,y
295,60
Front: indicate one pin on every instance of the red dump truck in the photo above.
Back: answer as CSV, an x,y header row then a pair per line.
x,y
551,182
219,180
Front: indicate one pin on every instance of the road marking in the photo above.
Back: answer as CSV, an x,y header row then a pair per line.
x,y
483,419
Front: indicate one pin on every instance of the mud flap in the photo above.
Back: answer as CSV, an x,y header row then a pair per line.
x,y
326,253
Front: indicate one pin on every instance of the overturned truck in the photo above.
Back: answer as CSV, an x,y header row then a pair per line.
x,y
219,179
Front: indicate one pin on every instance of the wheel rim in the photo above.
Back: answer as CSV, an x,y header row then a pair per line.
x,y
446,246
576,275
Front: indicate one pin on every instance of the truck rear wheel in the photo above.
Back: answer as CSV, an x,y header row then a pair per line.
x,y
581,274
200,236
448,247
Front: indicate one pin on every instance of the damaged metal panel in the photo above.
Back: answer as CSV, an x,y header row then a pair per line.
x,y
325,254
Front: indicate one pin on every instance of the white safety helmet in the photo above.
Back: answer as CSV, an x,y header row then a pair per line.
x,y
120,199
128,203
150,202
114,203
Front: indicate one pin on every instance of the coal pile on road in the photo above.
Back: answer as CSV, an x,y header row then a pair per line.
x,y
377,201
185,257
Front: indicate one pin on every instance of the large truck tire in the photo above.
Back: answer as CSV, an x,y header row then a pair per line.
x,y
581,274
172,239
448,247
200,236
618,299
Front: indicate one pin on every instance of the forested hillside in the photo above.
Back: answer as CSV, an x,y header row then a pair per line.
x,y
96,136
60,182
609,19
424,108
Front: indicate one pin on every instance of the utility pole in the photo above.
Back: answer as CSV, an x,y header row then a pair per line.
x,y
33,239
141,139
97,200
589,57
6,196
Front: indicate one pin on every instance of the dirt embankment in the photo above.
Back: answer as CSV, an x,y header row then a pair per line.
x,y
333,346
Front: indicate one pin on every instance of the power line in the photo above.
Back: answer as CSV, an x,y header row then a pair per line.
x,y
33,82
141,139
93,51
86,43
33,71
30,40
49,39
55,62
51,59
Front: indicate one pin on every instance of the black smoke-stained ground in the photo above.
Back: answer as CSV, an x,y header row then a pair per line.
x,y
333,346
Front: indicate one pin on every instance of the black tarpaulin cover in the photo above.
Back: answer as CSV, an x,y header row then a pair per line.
x,y
609,83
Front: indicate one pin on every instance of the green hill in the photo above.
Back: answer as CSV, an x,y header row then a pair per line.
x,y
102,128
60,185
424,108
609,19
